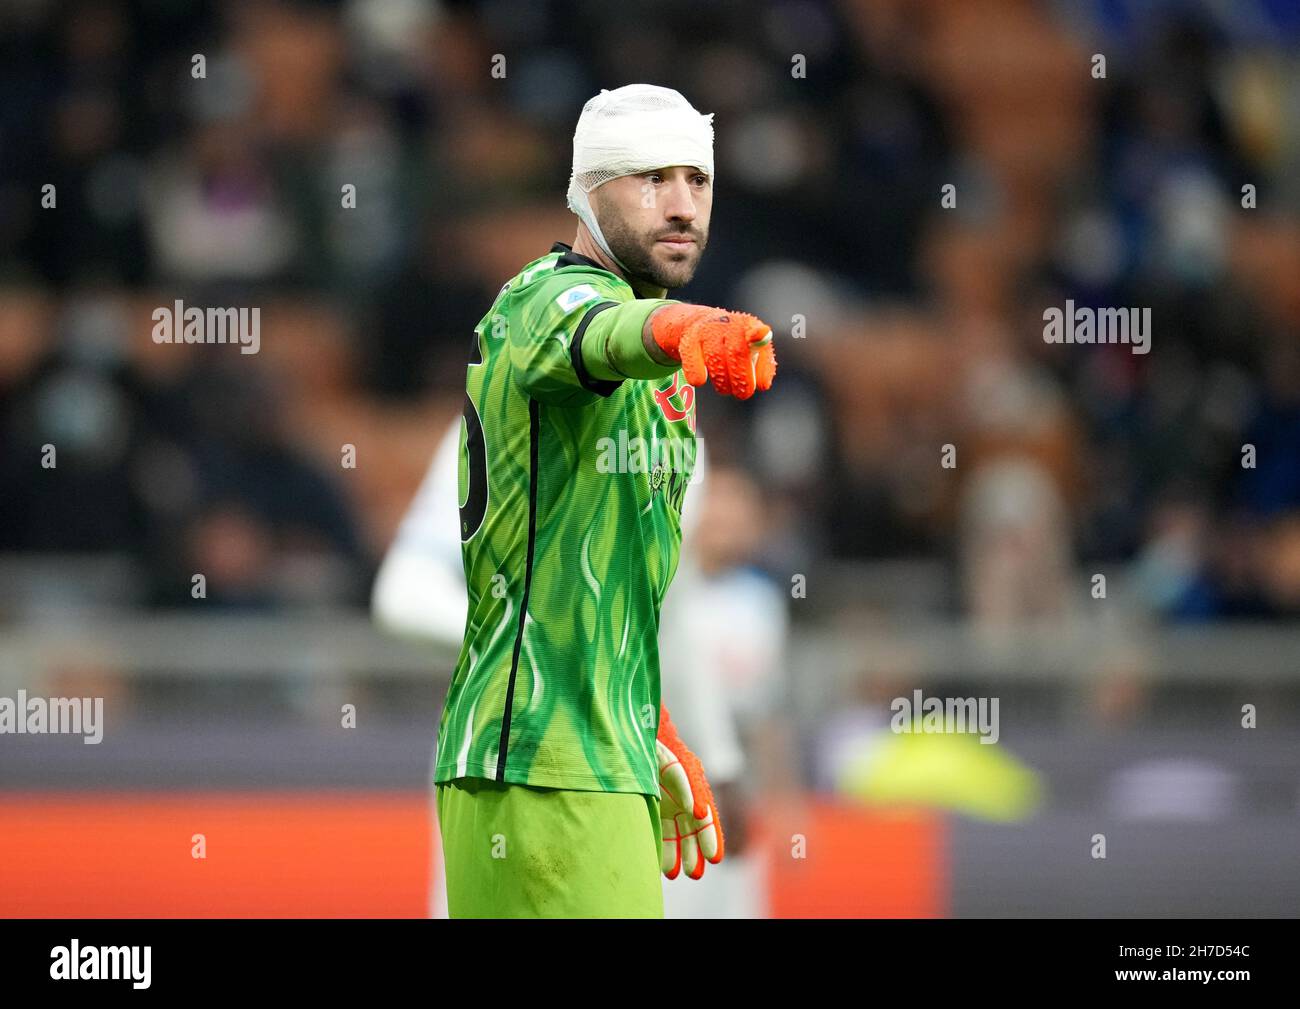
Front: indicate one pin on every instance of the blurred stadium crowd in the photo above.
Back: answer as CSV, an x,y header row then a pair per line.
x,y
903,325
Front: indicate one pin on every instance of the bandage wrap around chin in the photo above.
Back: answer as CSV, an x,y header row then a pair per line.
x,y
634,129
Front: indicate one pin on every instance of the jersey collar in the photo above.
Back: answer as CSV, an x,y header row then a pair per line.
x,y
570,258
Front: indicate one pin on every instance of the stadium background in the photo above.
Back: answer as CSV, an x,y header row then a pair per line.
x,y
1119,716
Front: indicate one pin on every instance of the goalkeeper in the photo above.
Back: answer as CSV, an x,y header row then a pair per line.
x,y
562,787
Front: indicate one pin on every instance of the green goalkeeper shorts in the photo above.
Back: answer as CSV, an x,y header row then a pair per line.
x,y
519,851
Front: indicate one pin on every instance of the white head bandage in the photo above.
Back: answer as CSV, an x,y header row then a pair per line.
x,y
634,129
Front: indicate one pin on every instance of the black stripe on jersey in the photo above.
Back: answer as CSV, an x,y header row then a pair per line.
x,y
596,385
534,434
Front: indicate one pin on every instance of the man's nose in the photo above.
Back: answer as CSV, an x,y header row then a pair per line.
x,y
679,204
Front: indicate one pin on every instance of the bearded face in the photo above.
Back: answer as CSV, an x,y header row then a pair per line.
x,y
657,223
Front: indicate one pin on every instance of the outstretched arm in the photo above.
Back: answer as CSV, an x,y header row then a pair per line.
x,y
651,339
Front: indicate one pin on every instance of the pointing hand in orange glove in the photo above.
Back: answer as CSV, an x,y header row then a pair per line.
x,y
733,349
691,828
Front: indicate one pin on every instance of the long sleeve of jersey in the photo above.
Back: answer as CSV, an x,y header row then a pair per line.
x,y
612,346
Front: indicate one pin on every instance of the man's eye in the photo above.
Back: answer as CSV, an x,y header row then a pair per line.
x,y
654,177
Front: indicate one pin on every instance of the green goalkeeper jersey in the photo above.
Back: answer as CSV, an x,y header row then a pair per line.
x,y
571,491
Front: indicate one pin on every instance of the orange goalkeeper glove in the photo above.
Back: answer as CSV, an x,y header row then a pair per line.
x,y
731,348
691,828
